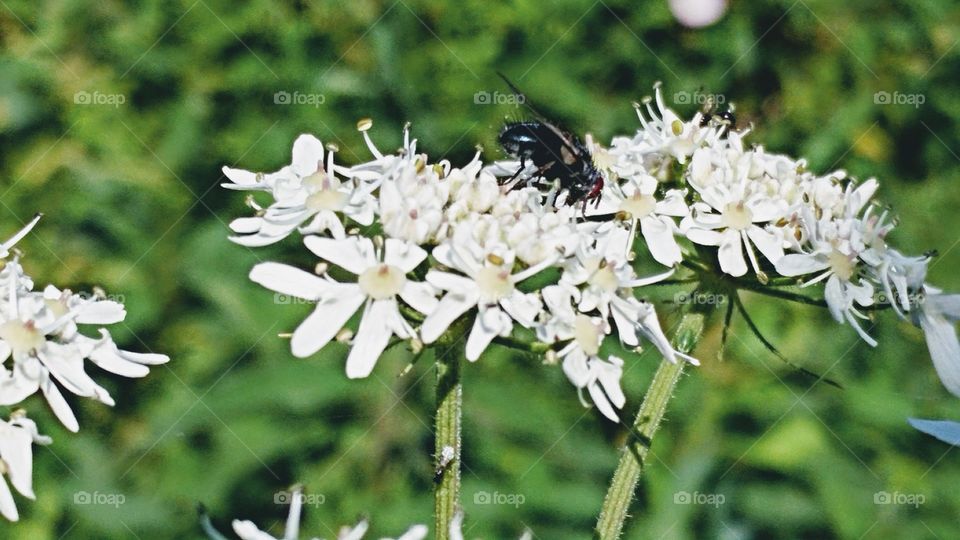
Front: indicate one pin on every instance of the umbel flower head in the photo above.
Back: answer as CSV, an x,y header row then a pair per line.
x,y
414,247
43,349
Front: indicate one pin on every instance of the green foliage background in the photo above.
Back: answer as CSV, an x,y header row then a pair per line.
x,y
133,204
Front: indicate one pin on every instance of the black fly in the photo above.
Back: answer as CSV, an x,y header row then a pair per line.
x,y
557,155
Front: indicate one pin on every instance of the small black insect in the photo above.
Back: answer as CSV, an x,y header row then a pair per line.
x,y
712,114
557,154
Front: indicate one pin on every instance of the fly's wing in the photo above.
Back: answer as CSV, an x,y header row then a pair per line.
x,y
573,150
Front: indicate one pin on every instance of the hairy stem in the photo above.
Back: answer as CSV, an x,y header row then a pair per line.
x,y
634,454
447,428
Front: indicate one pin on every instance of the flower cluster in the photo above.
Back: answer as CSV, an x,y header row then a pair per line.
x,y
417,246
43,350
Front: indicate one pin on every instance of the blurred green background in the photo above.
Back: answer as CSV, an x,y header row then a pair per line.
x,y
133,204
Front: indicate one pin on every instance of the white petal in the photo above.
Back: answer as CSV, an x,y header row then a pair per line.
x,y
450,307
421,296
524,308
7,506
107,356
601,401
15,448
66,364
836,301
59,405
307,155
416,532
403,255
798,264
352,254
240,176
258,240
371,339
575,367
246,530
947,305
246,225
704,237
944,349
16,387
450,282
946,431
658,232
326,320
649,325
101,312
673,204
730,254
765,210
490,322
292,281
767,242
609,374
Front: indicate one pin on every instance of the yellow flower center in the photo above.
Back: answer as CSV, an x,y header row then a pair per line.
x,y
736,216
382,281
842,265
638,205
325,192
22,337
494,283
603,277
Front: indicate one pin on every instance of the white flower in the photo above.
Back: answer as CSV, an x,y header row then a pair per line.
x,y
605,280
489,284
835,248
303,190
472,190
586,370
412,201
16,460
380,280
636,197
732,213
666,134
38,332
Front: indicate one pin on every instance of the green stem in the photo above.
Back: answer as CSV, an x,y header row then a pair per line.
x,y
447,427
634,453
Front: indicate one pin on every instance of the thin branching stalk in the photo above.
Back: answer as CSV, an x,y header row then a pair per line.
x,y
634,453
